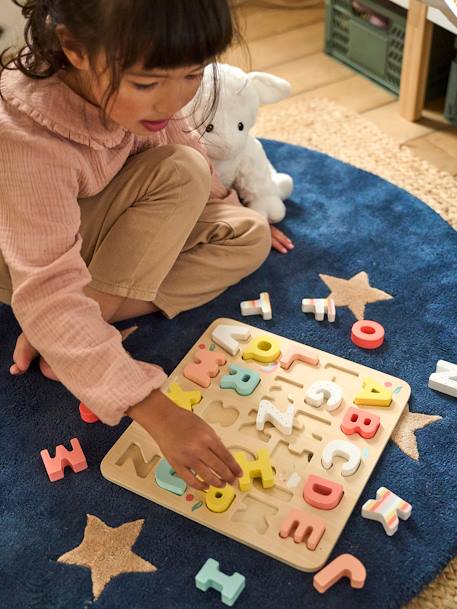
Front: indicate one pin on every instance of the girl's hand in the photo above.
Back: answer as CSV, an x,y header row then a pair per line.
x,y
279,241
189,444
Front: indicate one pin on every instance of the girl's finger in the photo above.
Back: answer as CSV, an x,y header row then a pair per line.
x,y
226,457
219,467
207,474
277,233
275,244
190,478
282,238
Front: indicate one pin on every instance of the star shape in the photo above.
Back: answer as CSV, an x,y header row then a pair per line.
x,y
354,293
404,434
107,552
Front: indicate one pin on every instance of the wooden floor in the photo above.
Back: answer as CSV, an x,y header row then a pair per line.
x,y
290,44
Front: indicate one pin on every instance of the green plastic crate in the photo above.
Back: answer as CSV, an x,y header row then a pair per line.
x,y
376,49
450,107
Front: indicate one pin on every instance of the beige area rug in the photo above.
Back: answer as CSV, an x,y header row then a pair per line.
x,y
343,134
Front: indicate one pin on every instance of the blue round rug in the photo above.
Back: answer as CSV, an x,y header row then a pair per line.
x,y
348,226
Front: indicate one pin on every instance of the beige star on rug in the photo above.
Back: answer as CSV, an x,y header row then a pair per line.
x,y
354,293
404,435
107,552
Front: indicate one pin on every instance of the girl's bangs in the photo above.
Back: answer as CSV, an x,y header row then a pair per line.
x,y
167,38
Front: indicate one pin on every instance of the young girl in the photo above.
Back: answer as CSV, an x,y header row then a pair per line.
x,y
109,208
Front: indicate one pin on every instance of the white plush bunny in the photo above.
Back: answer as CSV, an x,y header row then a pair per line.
x,y
239,157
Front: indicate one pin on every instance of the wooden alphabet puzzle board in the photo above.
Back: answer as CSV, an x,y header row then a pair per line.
x,y
255,516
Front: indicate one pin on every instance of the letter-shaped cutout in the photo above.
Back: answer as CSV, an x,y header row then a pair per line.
x,y
205,367
224,335
345,449
386,509
359,421
167,479
260,468
303,524
373,394
321,493
219,499
344,565
242,380
321,390
183,399
135,462
64,458
445,378
263,349
282,420
302,355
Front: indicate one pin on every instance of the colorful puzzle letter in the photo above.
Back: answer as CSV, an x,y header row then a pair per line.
x,y
224,335
321,493
167,479
344,565
367,334
219,499
303,525
261,468
262,306
242,380
183,399
445,378
386,509
359,421
282,420
230,587
263,349
319,306
64,458
206,366
302,355
347,450
86,414
324,390
373,394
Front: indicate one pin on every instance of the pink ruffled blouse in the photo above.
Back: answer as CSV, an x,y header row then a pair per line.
x,y
55,149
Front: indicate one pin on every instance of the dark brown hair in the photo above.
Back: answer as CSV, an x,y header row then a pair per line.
x,y
163,34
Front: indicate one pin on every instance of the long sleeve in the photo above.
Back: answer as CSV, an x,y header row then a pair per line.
x,y
39,239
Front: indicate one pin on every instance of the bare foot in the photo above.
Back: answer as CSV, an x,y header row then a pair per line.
x,y
23,354
46,370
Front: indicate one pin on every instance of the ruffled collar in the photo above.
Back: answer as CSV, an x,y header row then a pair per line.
x,y
54,105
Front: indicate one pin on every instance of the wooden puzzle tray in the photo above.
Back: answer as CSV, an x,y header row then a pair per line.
x,y
255,516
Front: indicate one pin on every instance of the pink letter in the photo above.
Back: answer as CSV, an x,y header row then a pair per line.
x,y
322,494
356,420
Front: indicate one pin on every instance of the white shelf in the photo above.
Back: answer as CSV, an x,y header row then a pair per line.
x,y
433,14
436,16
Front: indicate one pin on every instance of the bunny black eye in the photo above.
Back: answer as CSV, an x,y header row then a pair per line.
x,y
240,126
209,128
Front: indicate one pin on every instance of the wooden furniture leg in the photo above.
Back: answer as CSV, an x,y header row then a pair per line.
x,y
416,60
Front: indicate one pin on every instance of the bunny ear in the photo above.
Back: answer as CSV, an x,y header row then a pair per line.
x,y
270,88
